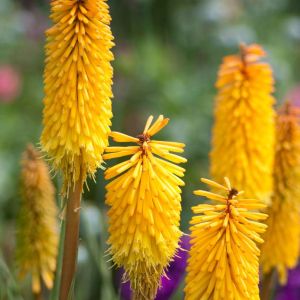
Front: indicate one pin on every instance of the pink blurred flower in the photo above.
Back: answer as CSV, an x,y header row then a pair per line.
x,y
10,83
294,95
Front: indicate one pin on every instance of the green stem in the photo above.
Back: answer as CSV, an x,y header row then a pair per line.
x,y
71,241
267,286
55,290
38,296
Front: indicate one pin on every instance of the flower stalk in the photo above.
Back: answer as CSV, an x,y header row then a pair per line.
x,y
77,106
38,296
71,240
267,285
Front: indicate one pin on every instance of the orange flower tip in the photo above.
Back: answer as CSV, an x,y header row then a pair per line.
x,y
252,50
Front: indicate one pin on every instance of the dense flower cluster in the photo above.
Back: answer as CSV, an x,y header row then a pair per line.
x,y
243,133
37,236
282,238
223,261
144,199
78,79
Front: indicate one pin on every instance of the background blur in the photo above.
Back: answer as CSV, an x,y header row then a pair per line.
x,y
166,59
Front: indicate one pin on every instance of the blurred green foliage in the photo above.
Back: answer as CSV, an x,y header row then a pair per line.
x,y
166,59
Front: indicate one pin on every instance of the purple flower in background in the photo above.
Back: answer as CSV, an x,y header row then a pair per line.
x,y
10,83
174,273
291,291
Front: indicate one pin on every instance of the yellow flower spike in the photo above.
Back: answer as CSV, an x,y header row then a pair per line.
x,y
37,235
282,238
78,79
223,260
144,199
244,130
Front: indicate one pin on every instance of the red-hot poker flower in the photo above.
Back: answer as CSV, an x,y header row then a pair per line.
x,y
144,199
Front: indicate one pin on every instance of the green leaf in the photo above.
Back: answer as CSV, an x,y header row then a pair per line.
x,y
9,289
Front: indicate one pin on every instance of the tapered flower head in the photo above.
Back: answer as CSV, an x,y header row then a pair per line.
x,y
37,235
78,79
243,134
223,261
144,199
282,238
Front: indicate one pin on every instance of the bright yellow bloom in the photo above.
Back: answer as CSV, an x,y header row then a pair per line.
x,y
78,79
223,261
282,238
37,235
144,200
244,130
